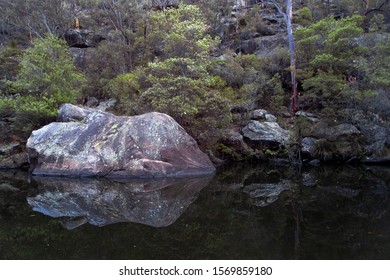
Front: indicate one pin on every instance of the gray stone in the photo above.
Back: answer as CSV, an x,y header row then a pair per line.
x,y
258,114
309,116
262,115
265,134
92,102
89,142
234,139
335,132
9,148
270,118
107,105
308,144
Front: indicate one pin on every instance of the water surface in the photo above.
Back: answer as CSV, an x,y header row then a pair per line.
x,y
243,212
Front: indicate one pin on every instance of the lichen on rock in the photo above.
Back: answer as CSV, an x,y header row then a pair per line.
x,y
88,143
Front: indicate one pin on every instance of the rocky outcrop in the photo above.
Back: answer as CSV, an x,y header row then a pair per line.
x,y
89,142
156,203
265,134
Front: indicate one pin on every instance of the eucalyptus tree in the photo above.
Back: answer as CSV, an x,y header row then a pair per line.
x,y
288,17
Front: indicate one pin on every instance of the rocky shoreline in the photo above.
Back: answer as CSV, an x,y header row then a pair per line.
x,y
365,139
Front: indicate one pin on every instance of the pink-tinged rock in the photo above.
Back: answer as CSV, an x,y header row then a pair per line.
x,y
89,142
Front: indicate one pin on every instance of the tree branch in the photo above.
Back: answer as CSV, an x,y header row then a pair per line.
x,y
277,7
34,31
46,24
379,9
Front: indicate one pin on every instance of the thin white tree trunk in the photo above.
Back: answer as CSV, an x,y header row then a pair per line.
x,y
293,61
291,46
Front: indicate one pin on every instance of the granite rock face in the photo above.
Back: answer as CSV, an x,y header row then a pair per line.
x,y
85,142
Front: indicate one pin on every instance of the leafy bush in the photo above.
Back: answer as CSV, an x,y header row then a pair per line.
x,y
9,67
46,79
48,72
178,81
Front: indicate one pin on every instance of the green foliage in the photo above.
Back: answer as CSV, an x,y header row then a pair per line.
x,y
46,79
180,32
324,84
126,89
48,73
329,37
109,60
377,23
178,81
277,93
9,66
254,80
7,107
183,89
303,17
328,59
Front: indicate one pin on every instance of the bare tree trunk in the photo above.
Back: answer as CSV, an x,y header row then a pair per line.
x,y
293,61
291,44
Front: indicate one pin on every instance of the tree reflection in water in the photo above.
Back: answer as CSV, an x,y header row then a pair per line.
x,y
245,212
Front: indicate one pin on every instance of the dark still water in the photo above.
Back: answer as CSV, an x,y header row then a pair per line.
x,y
243,212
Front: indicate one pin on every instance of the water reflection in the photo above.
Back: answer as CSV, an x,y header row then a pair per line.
x,y
157,203
245,212
330,212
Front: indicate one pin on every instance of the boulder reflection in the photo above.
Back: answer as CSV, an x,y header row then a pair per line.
x,y
157,203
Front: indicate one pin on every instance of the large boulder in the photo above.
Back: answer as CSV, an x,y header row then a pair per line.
x,y
265,135
89,142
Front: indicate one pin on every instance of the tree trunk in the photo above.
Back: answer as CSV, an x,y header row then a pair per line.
x,y
291,45
293,68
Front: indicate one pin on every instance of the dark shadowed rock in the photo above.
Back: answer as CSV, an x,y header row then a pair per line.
x,y
92,102
308,146
335,132
89,142
14,161
265,134
12,156
156,203
81,38
233,139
